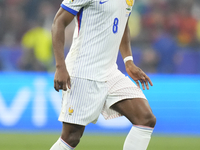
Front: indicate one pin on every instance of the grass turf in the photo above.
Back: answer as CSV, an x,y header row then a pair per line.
x,y
94,142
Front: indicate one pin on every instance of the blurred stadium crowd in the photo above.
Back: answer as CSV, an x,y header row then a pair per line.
x,y
165,35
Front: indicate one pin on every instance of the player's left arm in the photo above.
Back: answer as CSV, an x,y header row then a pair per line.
x,y
133,71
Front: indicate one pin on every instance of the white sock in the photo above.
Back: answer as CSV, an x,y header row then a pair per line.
x,y
61,145
138,138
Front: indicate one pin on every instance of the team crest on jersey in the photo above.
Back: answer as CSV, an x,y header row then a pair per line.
x,y
130,2
70,110
70,1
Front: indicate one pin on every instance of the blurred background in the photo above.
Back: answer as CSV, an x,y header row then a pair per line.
x,y
165,40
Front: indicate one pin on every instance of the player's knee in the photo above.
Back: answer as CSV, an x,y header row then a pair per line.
x,y
71,140
145,119
72,133
150,120
74,140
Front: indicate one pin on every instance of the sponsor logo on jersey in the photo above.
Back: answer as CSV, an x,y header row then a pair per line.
x,y
102,2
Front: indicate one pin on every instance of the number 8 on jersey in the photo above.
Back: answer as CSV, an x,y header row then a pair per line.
x,y
115,25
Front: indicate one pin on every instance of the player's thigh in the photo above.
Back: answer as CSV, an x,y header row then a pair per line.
x,y
137,110
129,100
121,88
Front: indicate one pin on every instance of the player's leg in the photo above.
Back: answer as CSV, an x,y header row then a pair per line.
x,y
138,111
70,137
125,98
72,133
81,105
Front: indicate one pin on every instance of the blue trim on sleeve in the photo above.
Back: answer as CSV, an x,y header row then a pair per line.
x,y
74,12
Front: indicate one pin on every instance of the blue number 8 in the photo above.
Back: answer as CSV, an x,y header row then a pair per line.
x,y
115,25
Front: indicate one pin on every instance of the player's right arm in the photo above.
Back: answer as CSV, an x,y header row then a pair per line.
x,y
61,20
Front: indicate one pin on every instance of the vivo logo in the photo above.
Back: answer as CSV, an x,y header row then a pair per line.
x,y
39,93
34,97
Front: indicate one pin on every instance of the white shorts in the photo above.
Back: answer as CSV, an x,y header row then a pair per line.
x,y
83,103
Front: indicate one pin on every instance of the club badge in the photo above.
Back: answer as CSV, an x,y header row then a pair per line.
x,y
130,2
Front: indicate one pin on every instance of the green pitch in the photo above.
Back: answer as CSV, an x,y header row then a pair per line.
x,y
93,142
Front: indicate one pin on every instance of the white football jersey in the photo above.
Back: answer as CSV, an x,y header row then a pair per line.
x,y
99,29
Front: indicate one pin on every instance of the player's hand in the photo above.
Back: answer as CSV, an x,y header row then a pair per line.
x,y
61,79
138,75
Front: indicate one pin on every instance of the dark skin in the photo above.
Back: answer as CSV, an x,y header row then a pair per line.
x,y
137,110
62,19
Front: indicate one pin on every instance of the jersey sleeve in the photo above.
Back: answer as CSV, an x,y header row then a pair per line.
x,y
73,6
